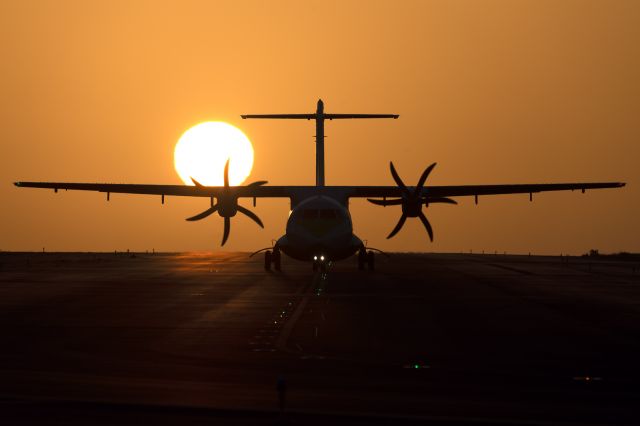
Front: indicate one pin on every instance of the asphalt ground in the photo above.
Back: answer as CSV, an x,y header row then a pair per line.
x,y
202,338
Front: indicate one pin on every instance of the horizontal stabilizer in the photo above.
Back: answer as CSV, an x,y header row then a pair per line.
x,y
289,116
314,116
337,116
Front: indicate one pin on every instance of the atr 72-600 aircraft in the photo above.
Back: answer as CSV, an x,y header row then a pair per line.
x,y
319,229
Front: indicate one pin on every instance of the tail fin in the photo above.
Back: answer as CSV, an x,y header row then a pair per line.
x,y
319,116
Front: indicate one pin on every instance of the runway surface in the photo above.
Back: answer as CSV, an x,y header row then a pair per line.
x,y
202,338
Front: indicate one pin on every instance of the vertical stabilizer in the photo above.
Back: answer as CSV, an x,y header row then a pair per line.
x,y
319,116
320,143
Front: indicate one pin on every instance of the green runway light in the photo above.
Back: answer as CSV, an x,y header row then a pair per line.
x,y
416,366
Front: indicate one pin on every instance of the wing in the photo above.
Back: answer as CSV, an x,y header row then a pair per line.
x,y
477,190
168,190
300,192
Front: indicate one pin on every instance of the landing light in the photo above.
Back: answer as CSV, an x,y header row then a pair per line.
x,y
321,257
315,257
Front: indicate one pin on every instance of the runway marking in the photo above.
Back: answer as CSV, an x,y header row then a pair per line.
x,y
416,366
587,378
274,327
281,342
312,357
511,268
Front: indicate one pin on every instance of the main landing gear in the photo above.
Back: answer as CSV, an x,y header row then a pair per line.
x,y
366,258
272,258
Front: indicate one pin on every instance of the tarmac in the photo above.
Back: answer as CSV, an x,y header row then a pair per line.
x,y
205,338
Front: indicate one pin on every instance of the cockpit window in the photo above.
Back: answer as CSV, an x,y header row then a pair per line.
x,y
328,214
309,214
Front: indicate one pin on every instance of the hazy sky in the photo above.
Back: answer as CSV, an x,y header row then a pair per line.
x,y
494,91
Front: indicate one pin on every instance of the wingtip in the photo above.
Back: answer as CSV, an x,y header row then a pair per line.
x,y
17,183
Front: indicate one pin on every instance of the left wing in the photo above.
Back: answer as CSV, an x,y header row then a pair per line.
x,y
477,190
421,194
414,197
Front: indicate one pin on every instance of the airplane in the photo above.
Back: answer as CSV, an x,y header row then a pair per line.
x,y
319,228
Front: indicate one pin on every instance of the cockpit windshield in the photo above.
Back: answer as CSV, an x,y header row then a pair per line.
x,y
312,214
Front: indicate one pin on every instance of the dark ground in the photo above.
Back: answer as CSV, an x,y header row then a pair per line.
x,y
202,338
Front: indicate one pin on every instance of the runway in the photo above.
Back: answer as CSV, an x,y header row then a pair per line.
x,y
201,338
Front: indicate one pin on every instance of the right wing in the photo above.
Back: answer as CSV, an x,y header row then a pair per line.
x,y
173,190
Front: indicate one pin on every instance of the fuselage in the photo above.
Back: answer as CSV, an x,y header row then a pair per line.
x,y
319,226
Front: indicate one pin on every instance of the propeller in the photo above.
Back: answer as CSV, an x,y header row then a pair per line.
x,y
411,201
227,205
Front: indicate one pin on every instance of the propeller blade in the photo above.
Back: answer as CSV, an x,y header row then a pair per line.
x,y
395,176
196,183
427,225
423,178
392,202
251,215
399,225
226,174
204,214
258,183
440,200
227,229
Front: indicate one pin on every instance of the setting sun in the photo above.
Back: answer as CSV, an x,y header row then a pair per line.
x,y
203,150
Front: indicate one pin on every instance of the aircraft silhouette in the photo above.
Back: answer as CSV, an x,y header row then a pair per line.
x,y
319,228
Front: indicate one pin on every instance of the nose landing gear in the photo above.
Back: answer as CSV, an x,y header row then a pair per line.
x,y
320,263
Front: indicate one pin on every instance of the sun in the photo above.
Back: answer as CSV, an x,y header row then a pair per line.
x,y
203,150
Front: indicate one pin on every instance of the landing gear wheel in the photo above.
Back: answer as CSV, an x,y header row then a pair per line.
x,y
323,267
267,260
362,259
371,260
315,266
276,259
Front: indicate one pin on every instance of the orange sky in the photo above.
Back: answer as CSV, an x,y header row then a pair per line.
x,y
494,91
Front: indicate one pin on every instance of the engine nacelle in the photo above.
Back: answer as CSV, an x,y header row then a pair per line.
x,y
227,206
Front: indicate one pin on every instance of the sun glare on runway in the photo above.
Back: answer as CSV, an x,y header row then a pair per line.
x,y
203,150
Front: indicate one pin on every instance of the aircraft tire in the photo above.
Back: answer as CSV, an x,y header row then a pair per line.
x,y
362,258
267,260
371,260
276,260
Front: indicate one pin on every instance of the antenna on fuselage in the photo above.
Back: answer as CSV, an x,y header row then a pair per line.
x,y
320,117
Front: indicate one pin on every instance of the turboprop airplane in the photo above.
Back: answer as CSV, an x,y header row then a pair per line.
x,y
319,228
